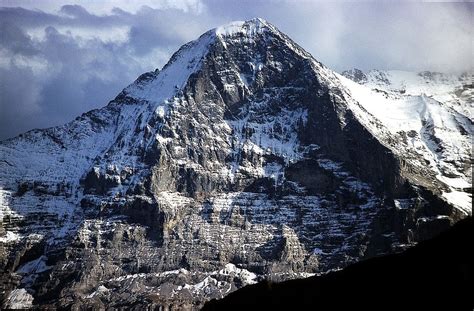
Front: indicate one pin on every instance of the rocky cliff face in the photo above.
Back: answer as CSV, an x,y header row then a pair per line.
x,y
243,158
423,269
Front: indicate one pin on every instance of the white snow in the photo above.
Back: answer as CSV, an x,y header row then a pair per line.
x,y
161,111
174,199
461,200
19,299
144,275
244,275
270,134
433,128
402,203
439,86
10,236
246,28
100,289
173,77
209,285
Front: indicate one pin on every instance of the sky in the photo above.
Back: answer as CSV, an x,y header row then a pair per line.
x,y
59,59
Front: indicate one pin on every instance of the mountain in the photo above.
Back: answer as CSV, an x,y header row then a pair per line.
x,y
396,281
243,159
430,114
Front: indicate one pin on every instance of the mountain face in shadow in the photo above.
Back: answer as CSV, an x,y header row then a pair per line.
x,y
434,275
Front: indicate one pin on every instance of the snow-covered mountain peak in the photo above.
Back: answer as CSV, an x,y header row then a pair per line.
x,y
160,85
243,158
247,28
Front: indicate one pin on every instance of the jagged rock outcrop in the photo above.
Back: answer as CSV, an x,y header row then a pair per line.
x,y
243,158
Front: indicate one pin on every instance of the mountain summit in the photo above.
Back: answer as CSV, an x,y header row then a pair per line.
x,y
243,158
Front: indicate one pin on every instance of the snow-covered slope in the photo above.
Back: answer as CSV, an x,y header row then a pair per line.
x,y
243,158
453,90
428,115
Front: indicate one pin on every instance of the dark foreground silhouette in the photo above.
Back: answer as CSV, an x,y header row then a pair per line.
x,y
434,275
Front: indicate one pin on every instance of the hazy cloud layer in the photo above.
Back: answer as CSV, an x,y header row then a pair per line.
x,y
57,62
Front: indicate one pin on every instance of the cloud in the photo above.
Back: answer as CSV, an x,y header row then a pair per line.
x,y
105,7
59,61
15,40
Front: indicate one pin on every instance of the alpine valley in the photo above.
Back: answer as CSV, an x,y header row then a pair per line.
x,y
242,159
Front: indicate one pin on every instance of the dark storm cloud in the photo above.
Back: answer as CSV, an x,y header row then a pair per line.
x,y
15,40
68,15
59,62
